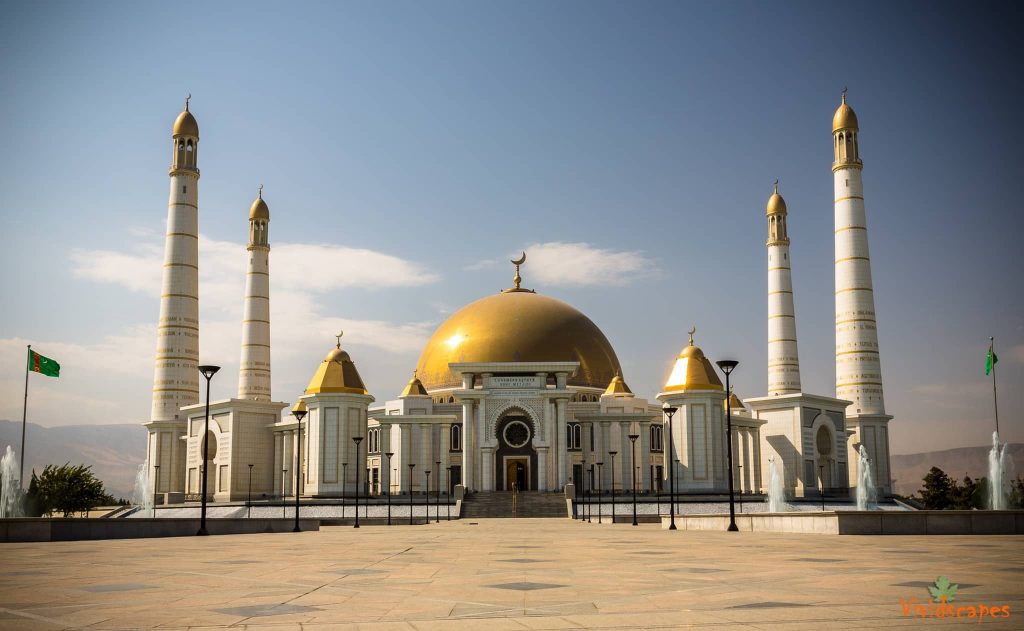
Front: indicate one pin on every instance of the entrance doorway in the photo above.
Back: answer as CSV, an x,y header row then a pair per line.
x,y
517,472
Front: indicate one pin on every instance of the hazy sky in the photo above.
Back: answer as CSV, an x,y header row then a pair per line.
x,y
409,149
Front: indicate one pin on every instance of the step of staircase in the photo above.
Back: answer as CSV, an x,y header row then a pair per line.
x,y
498,504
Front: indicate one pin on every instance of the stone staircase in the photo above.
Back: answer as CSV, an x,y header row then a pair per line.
x,y
491,504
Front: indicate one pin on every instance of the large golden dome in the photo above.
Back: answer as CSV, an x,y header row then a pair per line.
x,y
518,326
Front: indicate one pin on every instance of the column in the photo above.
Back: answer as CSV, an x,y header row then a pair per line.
x,y
468,421
445,445
425,462
543,453
618,482
406,459
607,475
385,462
626,456
644,454
560,405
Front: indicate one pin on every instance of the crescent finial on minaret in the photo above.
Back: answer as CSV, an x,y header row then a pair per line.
x,y
187,99
340,333
844,94
693,329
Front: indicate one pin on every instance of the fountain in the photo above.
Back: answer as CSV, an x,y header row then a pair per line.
x,y
142,496
866,493
10,485
776,488
999,465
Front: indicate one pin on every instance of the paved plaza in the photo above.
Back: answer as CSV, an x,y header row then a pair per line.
x,y
505,574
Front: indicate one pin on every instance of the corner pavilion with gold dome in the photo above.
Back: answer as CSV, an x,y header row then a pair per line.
x,y
515,390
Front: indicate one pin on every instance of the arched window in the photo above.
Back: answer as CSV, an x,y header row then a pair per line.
x,y
656,438
456,438
573,436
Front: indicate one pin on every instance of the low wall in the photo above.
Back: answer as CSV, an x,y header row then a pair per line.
x,y
864,522
33,529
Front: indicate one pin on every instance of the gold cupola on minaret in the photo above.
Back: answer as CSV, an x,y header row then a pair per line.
x,y
845,142
777,212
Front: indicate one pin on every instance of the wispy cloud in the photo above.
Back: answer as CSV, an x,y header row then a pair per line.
x,y
582,264
109,379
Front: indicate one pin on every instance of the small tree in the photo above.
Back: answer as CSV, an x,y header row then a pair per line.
x,y
1016,493
937,492
68,489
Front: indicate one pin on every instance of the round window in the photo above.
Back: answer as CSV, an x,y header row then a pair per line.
x,y
517,434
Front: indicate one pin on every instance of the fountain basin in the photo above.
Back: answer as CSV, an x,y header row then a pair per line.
x,y
864,522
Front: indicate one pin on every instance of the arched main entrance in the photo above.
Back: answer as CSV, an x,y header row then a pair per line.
x,y
515,459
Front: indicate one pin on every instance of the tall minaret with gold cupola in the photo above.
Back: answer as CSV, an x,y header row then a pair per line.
x,y
783,359
858,365
175,378
254,369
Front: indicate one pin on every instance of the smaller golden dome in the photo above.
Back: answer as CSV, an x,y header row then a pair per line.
x,y
336,373
844,117
735,403
414,388
618,387
776,205
692,371
185,124
259,208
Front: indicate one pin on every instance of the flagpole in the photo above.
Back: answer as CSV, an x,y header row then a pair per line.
x,y
995,399
25,412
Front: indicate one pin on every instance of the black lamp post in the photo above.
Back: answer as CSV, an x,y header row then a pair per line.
x,y
284,482
208,372
299,412
248,501
389,454
821,476
437,502
727,366
600,490
448,500
583,486
411,466
612,454
670,411
427,505
344,483
632,439
357,440
739,475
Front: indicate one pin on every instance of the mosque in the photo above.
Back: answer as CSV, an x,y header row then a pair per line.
x,y
515,390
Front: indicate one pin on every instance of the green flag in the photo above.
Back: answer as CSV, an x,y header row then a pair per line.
x,y
990,359
43,365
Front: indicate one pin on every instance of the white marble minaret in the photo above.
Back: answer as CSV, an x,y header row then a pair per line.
x,y
858,366
175,378
254,370
783,359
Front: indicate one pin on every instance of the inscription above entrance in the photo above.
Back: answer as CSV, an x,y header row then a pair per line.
x,y
513,382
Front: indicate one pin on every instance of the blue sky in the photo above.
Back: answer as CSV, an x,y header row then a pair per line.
x,y
408,149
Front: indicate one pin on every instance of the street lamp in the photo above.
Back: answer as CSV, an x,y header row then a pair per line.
x,y
583,486
344,483
632,439
411,465
389,454
727,366
357,440
156,485
248,500
612,454
299,412
437,502
821,476
208,372
670,411
448,500
427,472
600,490
739,475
